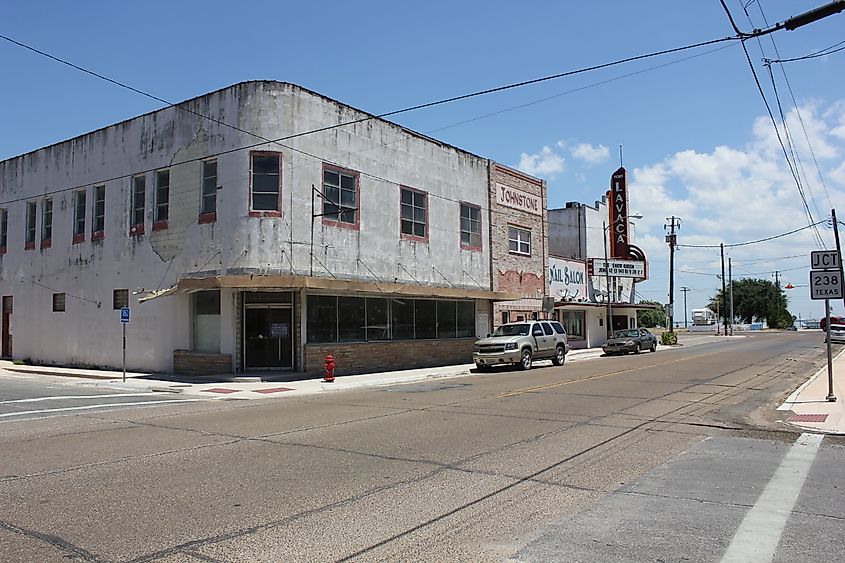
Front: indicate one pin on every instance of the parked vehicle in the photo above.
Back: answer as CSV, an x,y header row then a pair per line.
x,y
833,321
837,332
631,340
521,343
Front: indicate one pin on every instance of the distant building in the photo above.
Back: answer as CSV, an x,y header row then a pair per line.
x,y
580,236
370,242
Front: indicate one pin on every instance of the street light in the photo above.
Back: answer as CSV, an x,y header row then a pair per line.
x,y
604,228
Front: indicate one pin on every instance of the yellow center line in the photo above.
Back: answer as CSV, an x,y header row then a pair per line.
x,y
600,376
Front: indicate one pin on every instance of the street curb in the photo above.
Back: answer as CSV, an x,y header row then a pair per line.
x,y
40,371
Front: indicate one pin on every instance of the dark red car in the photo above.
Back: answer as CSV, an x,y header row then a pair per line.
x,y
833,321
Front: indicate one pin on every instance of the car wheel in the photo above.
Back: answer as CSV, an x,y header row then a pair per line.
x,y
525,361
654,345
638,348
559,357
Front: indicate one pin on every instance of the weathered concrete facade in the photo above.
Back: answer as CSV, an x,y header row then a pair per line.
x,y
292,251
519,263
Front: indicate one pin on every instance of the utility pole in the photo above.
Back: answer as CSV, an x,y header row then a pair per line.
x,y
731,289
724,291
672,240
685,289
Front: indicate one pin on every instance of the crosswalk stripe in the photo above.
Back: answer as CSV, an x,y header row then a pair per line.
x,y
759,533
100,406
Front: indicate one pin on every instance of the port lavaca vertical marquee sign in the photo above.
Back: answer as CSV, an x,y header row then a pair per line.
x,y
617,199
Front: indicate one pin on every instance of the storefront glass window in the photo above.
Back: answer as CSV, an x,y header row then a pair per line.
x,y
573,322
322,318
425,318
206,309
350,319
466,319
377,320
402,319
446,319
357,319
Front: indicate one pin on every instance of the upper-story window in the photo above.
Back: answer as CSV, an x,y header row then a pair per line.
x,y
98,221
266,183
519,240
139,199
120,298
162,199
79,216
470,226
31,217
4,228
413,214
340,195
46,222
208,203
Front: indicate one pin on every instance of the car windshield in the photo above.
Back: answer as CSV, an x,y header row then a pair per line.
x,y
627,334
512,330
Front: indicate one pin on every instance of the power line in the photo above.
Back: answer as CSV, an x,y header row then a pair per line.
x,y
797,111
819,240
736,244
821,53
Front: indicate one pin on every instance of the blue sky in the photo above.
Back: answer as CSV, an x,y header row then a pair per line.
x,y
696,136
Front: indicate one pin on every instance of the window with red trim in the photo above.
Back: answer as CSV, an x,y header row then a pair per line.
x,y
79,216
98,221
31,217
139,199
340,195
470,226
413,213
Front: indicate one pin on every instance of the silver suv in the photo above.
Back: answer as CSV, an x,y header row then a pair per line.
x,y
521,343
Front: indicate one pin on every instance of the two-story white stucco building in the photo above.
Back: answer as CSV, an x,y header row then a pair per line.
x,y
240,243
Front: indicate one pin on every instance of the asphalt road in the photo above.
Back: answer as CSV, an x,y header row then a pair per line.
x,y
670,456
24,397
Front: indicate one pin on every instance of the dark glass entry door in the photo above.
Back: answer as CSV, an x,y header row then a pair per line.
x,y
6,339
620,322
268,337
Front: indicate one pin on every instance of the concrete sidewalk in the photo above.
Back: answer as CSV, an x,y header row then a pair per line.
x,y
256,386
266,385
808,404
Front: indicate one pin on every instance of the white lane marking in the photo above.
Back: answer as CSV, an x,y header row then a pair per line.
x,y
759,533
105,405
64,397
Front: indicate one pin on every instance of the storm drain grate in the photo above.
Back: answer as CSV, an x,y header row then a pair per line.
x,y
808,418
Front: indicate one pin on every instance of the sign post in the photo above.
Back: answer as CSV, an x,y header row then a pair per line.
x,y
124,320
826,283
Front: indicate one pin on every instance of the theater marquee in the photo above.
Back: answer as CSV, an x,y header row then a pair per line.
x,y
619,268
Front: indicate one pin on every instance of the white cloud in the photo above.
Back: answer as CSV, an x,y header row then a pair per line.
x,y
545,163
589,153
735,194
838,174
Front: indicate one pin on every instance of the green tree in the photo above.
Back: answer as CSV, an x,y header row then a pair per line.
x,y
651,317
755,300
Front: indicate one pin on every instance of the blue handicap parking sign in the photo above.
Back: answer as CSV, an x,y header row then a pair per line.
x,y
124,314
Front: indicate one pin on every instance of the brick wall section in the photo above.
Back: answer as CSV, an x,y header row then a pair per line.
x,y
186,362
525,275
367,357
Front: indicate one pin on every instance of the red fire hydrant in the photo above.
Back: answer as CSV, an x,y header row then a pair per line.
x,y
329,377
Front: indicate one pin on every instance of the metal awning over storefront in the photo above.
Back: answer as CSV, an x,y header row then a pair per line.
x,y
277,282
593,305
